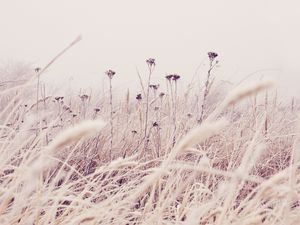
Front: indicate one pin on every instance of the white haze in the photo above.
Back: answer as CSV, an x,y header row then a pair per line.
x,y
248,35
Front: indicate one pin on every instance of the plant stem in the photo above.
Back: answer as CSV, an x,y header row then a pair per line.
x,y
111,120
147,109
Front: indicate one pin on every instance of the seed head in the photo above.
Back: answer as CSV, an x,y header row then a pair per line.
x,y
154,86
169,77
150,62
176,77
37,69
138,97
59,98
212,56
110,73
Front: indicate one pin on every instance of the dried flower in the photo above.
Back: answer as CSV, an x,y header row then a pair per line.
x,y
156,108
110,73
155,124
169,77
97,110
134,131
139,97
154,86
150,62
37,69
59,98
212,55
176,77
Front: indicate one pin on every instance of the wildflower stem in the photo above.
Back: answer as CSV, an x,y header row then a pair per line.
x,y
111,120
147,108
208,83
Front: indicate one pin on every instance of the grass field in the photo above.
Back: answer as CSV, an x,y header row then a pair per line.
x,y
160,156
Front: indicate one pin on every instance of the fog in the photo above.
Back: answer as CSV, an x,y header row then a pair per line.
x,y
257,35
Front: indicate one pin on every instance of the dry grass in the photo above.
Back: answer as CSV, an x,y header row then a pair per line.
x,y
227,170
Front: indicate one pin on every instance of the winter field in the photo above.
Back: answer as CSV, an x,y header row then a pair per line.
x,y
203,155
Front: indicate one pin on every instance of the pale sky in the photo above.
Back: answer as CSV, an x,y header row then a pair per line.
x,y
248,35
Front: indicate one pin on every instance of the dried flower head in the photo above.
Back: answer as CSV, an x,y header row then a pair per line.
x,y
37,69
169,77
134,131
154,86
150,62
110,73
138,97
97,110
176,77
212,55
59,98
155,124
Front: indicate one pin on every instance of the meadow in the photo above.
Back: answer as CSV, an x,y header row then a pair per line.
x,y
203,155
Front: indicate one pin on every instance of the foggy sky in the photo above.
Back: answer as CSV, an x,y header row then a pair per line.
x,y
248,35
